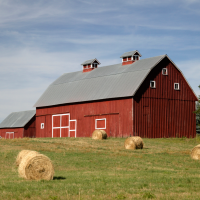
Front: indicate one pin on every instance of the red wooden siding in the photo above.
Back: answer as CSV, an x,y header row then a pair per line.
x,y
18,132
118,114
156,118
29,129
163,111
128,62
165,84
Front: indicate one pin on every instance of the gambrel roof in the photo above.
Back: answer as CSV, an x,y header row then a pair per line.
x,y
17,119
114,81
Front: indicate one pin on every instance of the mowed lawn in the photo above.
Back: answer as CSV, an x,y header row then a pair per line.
x,y
90,169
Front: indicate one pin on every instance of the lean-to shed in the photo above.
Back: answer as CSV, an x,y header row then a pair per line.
x,y
146,97
18,125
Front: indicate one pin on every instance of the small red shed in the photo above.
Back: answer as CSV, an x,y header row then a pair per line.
x,y
145,97
18,125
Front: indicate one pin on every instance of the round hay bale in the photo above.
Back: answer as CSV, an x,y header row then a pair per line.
x,y
129,143
195,153
35,166
138,142
135,142
99,135
20,155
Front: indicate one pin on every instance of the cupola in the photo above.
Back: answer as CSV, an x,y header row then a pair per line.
x,y
89,65
130,57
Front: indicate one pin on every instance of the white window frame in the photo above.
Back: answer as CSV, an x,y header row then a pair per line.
x,y
154,84
178,86
166,71
100,120
9,133
42,126
74,120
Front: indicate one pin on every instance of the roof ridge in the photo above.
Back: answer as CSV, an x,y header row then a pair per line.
x,y
109,74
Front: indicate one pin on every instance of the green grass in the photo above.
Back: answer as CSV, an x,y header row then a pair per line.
x,y
89,169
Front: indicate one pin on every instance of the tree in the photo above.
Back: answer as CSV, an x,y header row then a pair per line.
x,y
198,116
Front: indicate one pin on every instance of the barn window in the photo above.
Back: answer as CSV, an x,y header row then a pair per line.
x,y
42,126
176,86
164,71
100,123
152,84
94,65
135,57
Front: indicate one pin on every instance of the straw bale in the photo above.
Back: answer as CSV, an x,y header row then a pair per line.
x,y
129,143
36,166
195,153
20,155
99,135
138,142
135,142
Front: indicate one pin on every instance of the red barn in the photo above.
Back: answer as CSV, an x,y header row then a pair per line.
x,y
18,125
146,97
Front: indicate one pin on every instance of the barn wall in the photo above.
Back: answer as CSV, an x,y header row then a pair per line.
x,y
157,118
29,129
118,114
163,111
18,132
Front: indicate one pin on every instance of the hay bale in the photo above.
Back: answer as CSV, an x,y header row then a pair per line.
x,y
135,142
129,143
99,135
195,153
36,166
20,155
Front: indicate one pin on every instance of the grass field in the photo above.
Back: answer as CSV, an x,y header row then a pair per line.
x,y
88,169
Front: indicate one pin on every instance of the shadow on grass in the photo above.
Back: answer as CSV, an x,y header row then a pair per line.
x,y
58,178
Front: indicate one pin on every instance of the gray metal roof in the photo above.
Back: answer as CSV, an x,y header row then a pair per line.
x,y
90,61
112,81
17,119
130,53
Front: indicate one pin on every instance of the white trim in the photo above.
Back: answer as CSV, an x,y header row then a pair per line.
x,y
175,87
60,124
9,133
99,120
42,126
74,120
166,71
154,84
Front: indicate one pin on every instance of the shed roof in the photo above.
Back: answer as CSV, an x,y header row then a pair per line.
x,y
17,119
130,53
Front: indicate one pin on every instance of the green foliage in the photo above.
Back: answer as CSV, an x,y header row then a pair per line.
x,y
198,116
148,195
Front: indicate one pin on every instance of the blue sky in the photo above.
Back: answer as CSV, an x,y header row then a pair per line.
x,y
42,39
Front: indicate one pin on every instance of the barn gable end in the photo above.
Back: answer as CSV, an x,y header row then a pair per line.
x,y
163,111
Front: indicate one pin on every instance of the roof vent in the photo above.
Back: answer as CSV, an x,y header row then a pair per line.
x,y
89,65
130,57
